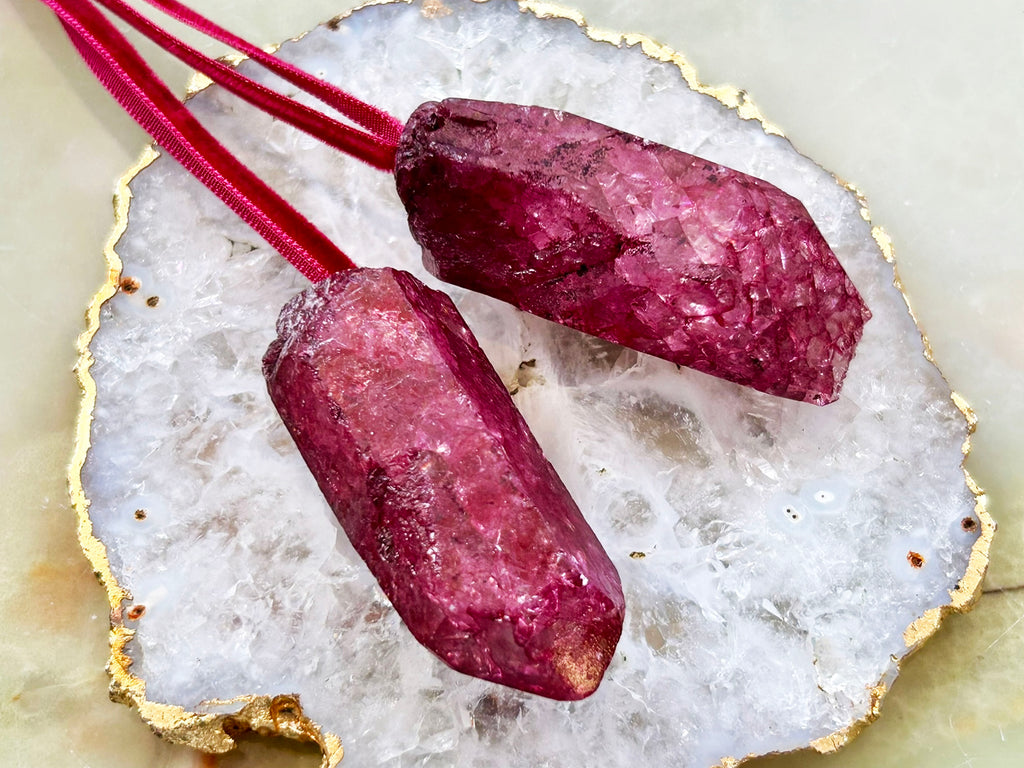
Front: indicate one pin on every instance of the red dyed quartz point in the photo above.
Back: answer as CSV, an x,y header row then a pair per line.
x,y
440,485
631,241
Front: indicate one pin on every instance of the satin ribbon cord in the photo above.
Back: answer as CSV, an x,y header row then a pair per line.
x,y
377,148
140,91
381,124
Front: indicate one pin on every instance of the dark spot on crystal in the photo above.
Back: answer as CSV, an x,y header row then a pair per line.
x,y
915,559
712,178
140,514
375,613
525,376
582,270
239,248
638,555
493,714
969,524
152,301
336,413
793,514
434,122
334,24
757,426
136,612
563,150
129,285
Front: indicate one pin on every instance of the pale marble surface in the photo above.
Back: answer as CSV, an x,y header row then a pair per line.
x,y
918,104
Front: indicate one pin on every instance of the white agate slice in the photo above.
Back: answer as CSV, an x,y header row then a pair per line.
x,y
773,553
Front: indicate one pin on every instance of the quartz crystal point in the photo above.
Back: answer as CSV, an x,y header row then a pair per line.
x,y
440,485
631,241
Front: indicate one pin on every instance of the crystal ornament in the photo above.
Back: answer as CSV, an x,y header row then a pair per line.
x,y
440,485
632,241
762,542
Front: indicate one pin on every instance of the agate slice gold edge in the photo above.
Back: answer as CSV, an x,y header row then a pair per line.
x,y
282,715
279,715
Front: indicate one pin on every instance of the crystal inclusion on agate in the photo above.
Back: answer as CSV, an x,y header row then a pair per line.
x,y
440,485
631,241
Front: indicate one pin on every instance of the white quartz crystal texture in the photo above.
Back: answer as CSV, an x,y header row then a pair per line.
x,y
763,543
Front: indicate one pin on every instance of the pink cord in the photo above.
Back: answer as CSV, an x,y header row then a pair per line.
x,y
138,89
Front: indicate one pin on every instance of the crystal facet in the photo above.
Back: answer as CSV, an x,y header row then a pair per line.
x,y
631,241
440,485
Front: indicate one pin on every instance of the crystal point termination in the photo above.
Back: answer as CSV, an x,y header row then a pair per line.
x,y
631,241
440,485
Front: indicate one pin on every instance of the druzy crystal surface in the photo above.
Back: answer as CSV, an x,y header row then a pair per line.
x,y
632,241
440,485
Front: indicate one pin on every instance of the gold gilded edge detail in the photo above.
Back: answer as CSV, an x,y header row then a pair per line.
x,y
282,715
266,715
729,96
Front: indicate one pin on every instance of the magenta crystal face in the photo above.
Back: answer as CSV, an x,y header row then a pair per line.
x,y
631,241
440,485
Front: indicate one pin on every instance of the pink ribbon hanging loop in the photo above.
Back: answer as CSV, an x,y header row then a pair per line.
x,y
140,91
378,122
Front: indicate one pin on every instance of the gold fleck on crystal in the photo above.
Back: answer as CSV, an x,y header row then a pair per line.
x,y
282,715
435,9
583,672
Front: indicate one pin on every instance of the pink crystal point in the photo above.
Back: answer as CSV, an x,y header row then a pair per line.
x,y
632,241
440,485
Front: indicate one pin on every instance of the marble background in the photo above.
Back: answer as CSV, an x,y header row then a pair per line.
x,y
918,103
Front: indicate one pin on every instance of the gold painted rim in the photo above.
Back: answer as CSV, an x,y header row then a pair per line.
x,y
282,715
279,715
